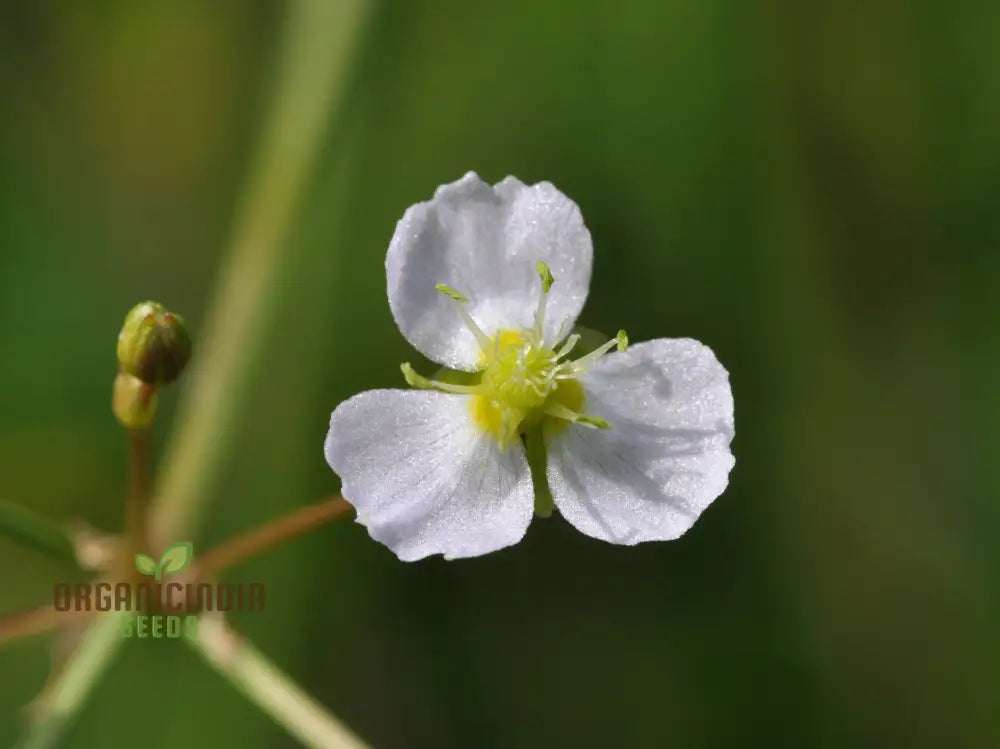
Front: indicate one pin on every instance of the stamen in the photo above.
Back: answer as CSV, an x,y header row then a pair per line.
x,y
450,292
568,345
546,275
460,300
560,411
580,365
593,421
562,330
524,377
413,379
541,390
547,280
481,338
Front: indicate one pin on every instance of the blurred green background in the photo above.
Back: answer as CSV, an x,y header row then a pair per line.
x,y
809,188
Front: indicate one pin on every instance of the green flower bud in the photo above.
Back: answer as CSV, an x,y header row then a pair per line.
x,y
153,344
133,401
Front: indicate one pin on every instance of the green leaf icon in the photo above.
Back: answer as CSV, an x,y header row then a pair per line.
x,y
146,565
176,558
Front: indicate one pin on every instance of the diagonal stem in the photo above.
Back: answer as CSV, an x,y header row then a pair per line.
x,y
252,543
228,554
29,623
320,39
69,691
318,43
272,691
35,530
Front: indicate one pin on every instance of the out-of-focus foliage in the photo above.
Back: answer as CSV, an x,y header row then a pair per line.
x,y
811,189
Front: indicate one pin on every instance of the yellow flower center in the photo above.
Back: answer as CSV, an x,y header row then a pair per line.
x,y
520,379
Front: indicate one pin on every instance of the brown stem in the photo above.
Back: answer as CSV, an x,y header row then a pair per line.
x,y
137,505
38,621
252,543
232,552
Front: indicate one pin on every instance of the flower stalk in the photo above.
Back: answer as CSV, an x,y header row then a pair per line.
x,y
254,542
137,504
319,42
236,659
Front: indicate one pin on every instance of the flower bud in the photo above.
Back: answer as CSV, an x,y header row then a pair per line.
x,y
153,344
133,401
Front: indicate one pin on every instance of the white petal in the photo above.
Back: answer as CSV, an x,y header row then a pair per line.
x,y
666,456
485,242
424,479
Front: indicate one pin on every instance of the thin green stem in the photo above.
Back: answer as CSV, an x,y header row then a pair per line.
x,y
34,530
37,621
319,43
534,448
69,691
269,688
254,542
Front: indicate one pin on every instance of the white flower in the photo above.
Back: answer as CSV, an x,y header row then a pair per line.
x,y
489,280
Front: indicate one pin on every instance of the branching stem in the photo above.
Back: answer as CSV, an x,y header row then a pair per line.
x,y
254,542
